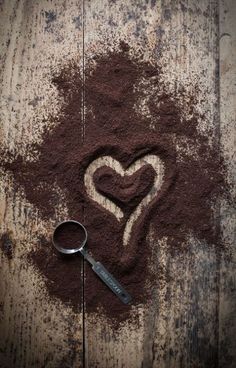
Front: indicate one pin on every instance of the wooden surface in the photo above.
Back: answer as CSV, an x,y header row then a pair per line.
x,y
191,319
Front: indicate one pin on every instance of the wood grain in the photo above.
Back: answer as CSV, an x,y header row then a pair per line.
x,y
227,299
190,321
36,36
180,328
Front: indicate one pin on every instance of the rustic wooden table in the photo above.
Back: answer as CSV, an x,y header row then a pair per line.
x,y
195,325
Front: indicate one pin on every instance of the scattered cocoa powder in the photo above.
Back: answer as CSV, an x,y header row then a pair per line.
x,y
6,245
62,273
114,126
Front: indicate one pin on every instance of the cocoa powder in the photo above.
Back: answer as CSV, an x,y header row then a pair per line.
x,y
126,191
69,235
6,245
114,126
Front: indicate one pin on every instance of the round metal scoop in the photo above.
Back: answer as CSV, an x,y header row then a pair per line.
x,y
97,267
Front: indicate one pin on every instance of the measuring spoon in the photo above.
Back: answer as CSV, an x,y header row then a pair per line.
x,y
97,267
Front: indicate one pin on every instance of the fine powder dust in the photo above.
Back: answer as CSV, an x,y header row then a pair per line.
x,y
114,126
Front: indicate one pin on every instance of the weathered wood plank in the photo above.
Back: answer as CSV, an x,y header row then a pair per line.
x,y
227,300
180,326
36,37
105,25
186,330
190,322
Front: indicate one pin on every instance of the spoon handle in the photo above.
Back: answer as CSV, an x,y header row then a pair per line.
x,y
111,282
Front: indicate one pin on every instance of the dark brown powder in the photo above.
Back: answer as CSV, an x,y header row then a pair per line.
x,y
6,245
69,236
114,126
126,191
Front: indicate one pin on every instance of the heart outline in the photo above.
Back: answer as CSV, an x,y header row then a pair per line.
x,y
157,164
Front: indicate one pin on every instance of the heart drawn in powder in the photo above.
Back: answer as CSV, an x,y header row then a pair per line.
x,y
124,193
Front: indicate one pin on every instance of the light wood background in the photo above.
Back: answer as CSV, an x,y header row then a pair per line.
x,y
194,41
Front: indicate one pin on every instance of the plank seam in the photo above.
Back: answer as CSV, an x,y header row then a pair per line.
x,y
83,212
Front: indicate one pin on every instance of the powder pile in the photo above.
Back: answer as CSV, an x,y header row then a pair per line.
x,y
69,235
114,126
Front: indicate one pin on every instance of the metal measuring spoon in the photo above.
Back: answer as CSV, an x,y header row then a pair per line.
x,y
97,267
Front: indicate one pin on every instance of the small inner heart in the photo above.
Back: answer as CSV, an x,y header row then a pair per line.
x,y
125,191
